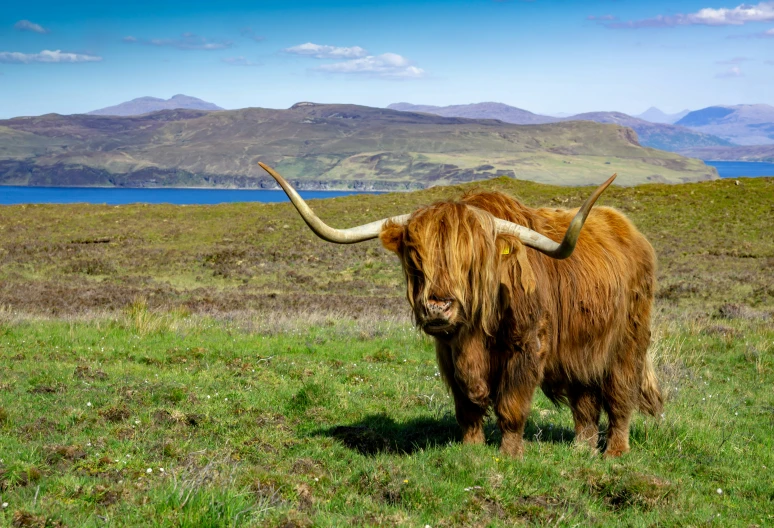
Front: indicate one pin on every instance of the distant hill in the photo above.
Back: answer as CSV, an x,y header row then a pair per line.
x,y
654,135
503,112
322,147
751,124
740,153
654,115
145,105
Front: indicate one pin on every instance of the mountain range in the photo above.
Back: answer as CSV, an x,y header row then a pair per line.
x,y
654,115
700,131
323,146
655,135
750,124
145,105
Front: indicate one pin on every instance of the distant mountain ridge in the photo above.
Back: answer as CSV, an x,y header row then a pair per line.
x,y
654,115
323,146
501,111
748,124
654,135
146,105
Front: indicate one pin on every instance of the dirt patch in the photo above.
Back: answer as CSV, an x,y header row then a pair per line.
x,y
116,413
57,453
25,519
46,388
626,489
84,372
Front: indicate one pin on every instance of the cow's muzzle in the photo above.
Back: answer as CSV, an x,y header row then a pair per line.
x,y
438,316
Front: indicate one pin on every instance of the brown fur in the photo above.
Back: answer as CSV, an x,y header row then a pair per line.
x,y
505,324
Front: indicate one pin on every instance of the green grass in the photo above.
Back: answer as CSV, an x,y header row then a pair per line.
x,y
348,423
277,381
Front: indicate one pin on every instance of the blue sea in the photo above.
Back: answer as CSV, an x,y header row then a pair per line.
x,y
739,169
182,196
177,196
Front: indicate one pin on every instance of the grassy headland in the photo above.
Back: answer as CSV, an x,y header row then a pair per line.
x,y
277,381
322,147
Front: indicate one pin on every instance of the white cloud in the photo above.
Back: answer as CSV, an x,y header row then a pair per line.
x,y
321,51
384,65
46,56
187,41
736,16
26,25
731,73
240,61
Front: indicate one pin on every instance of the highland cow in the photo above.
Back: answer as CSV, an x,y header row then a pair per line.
x,y
511,309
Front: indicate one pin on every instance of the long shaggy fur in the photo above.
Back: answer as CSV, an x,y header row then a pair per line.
x,y
579,328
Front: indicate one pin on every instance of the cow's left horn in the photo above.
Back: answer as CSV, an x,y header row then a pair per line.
x,y
544,244
323,230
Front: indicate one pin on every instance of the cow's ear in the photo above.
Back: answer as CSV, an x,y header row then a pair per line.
x,y
392,237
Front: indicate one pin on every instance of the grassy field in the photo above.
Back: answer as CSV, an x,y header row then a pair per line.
x,y
217,366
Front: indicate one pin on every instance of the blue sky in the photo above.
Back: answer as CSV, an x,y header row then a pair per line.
x,y
544,56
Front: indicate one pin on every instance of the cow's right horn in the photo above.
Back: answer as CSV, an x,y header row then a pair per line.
x,y
544,244
321,229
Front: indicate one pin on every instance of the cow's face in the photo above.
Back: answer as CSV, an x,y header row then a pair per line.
x,y
449,259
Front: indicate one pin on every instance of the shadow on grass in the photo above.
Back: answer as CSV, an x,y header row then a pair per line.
x,y
379,433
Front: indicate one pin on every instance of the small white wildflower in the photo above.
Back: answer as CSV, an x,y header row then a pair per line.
x,y
161,470
719,491
137,422
88,404
5,505
149,471
208,396
88,444
316,479
226,399
736,414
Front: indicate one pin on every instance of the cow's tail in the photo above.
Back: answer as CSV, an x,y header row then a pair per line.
x,y
651,400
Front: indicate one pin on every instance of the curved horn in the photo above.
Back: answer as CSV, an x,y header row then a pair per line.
x,y
544,244
320,228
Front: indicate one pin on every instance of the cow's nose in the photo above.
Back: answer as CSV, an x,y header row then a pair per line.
x,y
438,307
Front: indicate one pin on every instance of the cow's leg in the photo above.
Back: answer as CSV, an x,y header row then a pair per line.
x,y
620,394
518,381
586,408
470,416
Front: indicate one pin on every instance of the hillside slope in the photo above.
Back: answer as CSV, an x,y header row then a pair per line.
x,y
323,146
